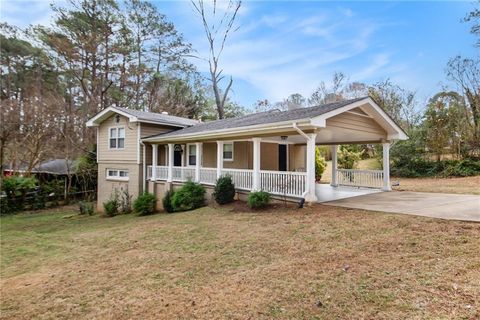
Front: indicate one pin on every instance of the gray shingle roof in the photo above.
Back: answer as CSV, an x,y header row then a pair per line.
x,y
158,117
259,118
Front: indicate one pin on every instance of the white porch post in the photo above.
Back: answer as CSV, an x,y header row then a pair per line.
x,y
256,185
219,158
154,161
310,195
334,180
170,163
386,167
198,160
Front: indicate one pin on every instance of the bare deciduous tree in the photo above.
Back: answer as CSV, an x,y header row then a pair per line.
x,y
218,26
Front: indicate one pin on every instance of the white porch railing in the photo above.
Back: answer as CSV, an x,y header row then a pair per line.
x,y
360,178
286,183
183,173
242,178
208,175
162,172
276,182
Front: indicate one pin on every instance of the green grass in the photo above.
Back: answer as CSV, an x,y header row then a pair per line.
x,y
216,263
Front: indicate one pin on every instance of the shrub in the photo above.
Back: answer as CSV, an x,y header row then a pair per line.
x,y
126,201
145,204
348,158
86,207
16,189
167,201
258,199
189,197
224,190
320,164
112,205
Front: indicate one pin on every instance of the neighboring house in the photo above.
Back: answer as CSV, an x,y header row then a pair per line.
x,y
53,168
272,151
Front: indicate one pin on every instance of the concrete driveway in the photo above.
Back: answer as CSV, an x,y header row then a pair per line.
x,y
435,205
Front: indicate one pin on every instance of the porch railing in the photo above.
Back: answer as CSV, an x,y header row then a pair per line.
x,y
286,183
360,178
276,182
183,173
208,175
242,178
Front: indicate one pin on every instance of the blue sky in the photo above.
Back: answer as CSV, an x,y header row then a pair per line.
x,y
285,47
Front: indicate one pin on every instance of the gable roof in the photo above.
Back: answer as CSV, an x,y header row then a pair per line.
x,y
259,119
53,166
141,116
275,119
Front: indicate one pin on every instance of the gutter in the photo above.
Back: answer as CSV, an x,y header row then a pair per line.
x,y
294,126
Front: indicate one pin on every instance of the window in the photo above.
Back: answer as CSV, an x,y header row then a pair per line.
x,y
117,138
192,154
117,174
228,151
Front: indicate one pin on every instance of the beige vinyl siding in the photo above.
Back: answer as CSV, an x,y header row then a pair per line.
x,y
297,155
146,130
356,123
129,152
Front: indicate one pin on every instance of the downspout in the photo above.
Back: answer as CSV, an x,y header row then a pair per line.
x,y
294,125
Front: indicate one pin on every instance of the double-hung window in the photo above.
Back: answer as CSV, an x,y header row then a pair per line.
x,y
228,151
192,154
117,138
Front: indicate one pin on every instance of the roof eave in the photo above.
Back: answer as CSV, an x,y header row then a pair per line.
x,y
224,132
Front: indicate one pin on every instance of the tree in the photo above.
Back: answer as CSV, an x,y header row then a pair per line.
x,y
399,103
474,16
465,73
218,27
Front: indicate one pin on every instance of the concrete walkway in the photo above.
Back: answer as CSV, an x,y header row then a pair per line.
x,y
434,205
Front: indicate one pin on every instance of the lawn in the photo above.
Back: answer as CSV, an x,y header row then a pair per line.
x,y
460,185
227,263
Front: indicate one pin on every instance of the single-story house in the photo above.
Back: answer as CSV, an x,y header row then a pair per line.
x,y
272,151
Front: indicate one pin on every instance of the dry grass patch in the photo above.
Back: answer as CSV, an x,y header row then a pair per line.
x,y
215,263
466,185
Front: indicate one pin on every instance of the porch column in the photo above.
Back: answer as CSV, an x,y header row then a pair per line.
x,y
310,195
256,186
198,160
154,161
334,181
386,167
219,158
170,163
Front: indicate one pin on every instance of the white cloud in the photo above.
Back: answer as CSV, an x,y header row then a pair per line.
x,y
24,13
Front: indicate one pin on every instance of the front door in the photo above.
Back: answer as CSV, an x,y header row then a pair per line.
x,y
282,157
177,156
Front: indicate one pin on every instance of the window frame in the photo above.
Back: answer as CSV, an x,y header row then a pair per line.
x,y
188,154
117,176
117,137
233,151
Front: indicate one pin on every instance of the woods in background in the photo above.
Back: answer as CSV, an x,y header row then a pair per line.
x,y
105,53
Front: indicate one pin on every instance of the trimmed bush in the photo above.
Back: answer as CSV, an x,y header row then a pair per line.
x,y
224,190
145,204
167,201
189,197
258,199
86,207
111,208
320,165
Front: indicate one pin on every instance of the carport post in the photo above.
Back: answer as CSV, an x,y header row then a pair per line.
x,y
334,182
310,195
386,167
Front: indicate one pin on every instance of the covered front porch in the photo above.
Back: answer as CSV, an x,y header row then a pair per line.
x,y
274,151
